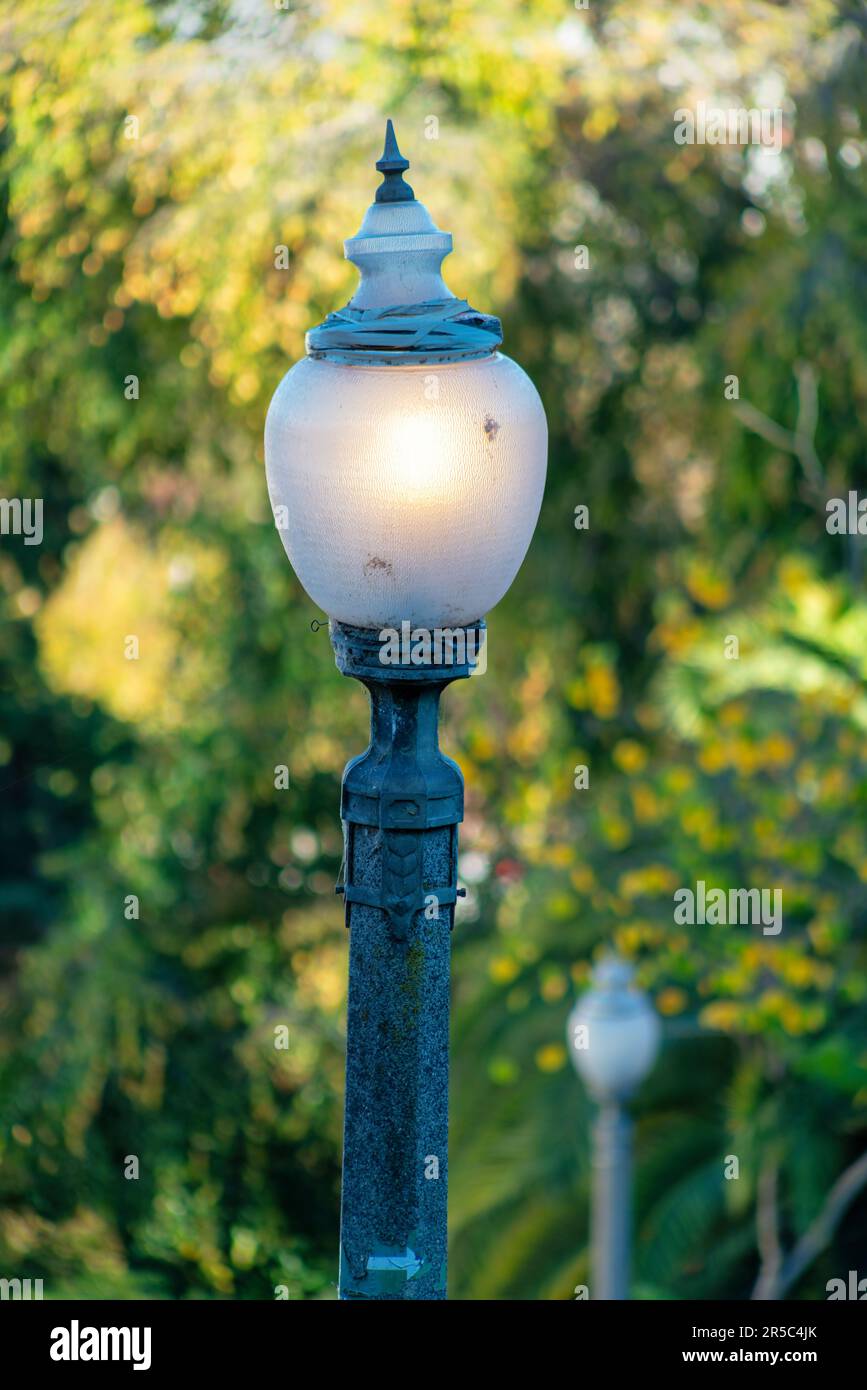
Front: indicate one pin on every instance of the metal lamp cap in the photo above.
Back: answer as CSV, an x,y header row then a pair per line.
x,y
402,311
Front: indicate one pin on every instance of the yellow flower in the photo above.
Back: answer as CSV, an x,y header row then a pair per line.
x,y
650,881
733,714
723,1016
698,821
671,1001
552,1057
778,751
707,588
560,856
646,804
773,1003
483,746
576,694
795,575
675,637
616,831
679,780
603,691
630,756
553,987
713,758
745,756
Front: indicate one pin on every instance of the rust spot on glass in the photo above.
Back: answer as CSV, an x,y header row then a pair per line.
x,y
376,563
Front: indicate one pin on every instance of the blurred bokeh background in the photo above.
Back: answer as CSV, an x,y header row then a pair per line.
x,y
145,247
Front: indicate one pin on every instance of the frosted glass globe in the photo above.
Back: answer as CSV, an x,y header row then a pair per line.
x,y
406,493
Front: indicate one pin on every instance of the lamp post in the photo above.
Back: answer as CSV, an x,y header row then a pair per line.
x,y
614,1035
406,463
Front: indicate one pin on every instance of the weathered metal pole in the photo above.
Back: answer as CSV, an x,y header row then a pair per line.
x,y
402,803
611,1217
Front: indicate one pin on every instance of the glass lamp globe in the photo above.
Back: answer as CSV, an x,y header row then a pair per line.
x,y
405,454
614,1032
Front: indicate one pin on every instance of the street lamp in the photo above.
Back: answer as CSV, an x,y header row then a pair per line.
x,y
614,1034
406,463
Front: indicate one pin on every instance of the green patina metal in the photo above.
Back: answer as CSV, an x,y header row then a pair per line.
x,y
402,803
392,165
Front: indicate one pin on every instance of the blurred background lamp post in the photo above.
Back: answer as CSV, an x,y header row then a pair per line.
x,y
406,462
614,1038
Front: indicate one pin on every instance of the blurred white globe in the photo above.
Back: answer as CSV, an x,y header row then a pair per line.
x,y
614,1032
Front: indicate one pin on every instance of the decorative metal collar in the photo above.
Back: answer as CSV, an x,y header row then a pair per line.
x,y
439,331
358,652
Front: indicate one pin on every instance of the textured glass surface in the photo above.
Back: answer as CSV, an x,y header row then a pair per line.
x,y
406,493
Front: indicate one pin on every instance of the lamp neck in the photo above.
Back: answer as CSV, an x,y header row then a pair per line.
x,y
402,789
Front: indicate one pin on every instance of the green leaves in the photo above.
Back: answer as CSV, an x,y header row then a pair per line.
x,y
149,171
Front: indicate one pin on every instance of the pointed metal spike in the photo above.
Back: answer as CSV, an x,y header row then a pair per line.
x,y
391,160
391,166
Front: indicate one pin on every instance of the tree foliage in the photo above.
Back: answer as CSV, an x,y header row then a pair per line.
x,y
167,904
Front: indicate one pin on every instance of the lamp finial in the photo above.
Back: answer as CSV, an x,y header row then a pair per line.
x,y
391,165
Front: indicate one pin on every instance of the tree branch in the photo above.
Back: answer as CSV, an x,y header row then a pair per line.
x,y
801,440
818,1233
768,1231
